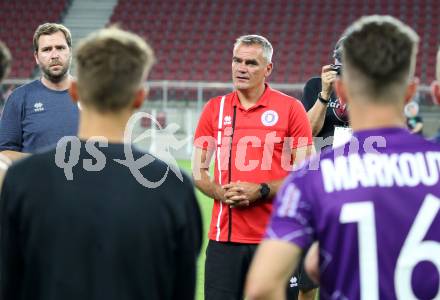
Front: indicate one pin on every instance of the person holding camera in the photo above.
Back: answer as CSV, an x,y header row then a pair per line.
x,y
327,114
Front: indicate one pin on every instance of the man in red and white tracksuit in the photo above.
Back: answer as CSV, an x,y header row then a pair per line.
x,y
256,134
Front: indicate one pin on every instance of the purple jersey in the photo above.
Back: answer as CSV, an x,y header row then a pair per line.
x,y
375,212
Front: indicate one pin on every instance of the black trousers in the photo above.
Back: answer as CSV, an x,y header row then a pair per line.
x,y
226,267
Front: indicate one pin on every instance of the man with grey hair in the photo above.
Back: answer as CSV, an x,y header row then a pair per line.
x,y
257,132
99,234
41,112
375,214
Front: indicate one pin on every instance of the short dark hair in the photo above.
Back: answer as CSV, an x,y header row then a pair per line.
x,y
112,64
51,28
383,50
5,61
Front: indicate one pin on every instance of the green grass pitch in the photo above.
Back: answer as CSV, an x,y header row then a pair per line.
x,y
205,204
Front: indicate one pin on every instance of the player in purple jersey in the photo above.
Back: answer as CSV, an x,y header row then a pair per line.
x,y
375,211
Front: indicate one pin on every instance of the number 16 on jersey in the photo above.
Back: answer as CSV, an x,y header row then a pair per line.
x,y
413,251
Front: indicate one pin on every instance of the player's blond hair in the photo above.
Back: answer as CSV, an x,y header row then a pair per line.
x,y
111,66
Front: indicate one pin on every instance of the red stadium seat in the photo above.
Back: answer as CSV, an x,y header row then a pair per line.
x,y
193,39
19,20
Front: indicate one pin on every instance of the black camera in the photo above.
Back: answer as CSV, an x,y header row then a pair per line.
x,y
337,69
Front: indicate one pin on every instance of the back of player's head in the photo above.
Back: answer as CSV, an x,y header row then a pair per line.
x,y
254,39
5,61
49,29
379,55
112,65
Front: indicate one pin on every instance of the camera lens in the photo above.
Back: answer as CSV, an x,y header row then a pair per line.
x,y
337,69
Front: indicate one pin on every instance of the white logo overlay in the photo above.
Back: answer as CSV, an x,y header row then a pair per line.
x,y
146,159
227,120
135,165
165,139
269,118
38,107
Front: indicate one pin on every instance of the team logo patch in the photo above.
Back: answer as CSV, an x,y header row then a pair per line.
x,y
38,107
227,120
269,118
293,282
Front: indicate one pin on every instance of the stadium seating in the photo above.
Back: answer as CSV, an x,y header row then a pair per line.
x,y
193,38
19,19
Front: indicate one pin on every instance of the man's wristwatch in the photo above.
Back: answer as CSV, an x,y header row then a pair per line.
x,y
322,100
264,190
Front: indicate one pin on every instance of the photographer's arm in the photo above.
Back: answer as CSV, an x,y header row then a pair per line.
x,y
316,116
317,113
